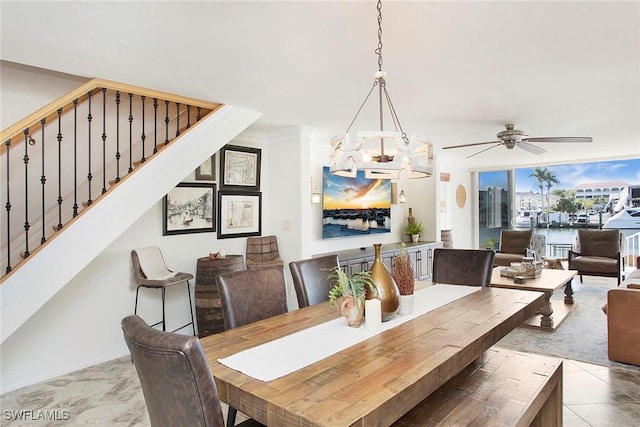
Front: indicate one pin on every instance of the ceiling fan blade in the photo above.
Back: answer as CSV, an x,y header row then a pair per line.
x,y
486,149
531,148
471,145
559,139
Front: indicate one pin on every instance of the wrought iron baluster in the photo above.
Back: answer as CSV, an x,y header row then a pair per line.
x,y
166,122
7,206
25,159
199,114
143,136
177,119
43,179
104,140
117,136
59,138
75,157
188,116
155,125
89,175
130,133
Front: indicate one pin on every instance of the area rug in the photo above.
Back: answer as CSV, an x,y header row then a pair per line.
x,y
581,336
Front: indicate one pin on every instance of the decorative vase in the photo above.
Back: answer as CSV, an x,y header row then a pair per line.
x,y
411,219
406,304
388,293
352,310
415,238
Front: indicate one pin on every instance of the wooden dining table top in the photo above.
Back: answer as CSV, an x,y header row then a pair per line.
x,y
375,382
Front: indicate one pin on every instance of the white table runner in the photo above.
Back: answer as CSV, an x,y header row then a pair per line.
x,y
280,357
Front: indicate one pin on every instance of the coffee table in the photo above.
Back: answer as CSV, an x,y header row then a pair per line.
x,y
550,280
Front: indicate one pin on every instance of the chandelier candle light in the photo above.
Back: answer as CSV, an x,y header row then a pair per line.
x,y
413,154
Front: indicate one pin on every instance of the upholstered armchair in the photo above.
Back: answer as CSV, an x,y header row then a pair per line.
x,y
623,323
597,253
514,245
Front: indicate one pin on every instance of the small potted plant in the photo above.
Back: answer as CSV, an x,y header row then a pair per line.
x,y
348,293
490,243
414,229
402,273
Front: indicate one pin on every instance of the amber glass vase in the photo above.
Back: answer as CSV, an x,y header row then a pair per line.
x,y
388,293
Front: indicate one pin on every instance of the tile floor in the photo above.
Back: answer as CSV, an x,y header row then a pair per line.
x,y
109,394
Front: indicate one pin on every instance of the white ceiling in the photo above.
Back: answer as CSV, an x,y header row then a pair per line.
x,y
457,71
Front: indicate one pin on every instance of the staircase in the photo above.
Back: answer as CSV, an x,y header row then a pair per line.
x,y
127,172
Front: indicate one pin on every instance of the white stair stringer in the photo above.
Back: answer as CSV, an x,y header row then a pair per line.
x,y
48,270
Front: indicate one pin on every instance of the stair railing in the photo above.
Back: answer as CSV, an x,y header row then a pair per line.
x,y
60,159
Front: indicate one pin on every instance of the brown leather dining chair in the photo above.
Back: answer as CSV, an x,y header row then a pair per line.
x,y
311,279
248,296
176,378
463,266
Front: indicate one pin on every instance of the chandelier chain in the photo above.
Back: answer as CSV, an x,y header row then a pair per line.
x,y
379,48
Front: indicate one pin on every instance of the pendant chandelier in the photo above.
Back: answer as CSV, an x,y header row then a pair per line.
x,y
368,152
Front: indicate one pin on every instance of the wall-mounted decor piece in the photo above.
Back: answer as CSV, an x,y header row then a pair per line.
x,y
239,168
189,208
239,214
355,206
461,196
207,170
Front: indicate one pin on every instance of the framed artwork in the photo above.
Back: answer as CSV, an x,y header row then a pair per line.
x,y
207,170
189,208
239,168
239,214
354,206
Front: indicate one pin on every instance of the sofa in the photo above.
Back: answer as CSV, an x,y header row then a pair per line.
x,y
623,322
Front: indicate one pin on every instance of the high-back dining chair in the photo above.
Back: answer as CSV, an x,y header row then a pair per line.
x,y
248,296
176,378
463,266
311,279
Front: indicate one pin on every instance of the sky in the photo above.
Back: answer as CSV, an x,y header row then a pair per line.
x,y
570,175
355,193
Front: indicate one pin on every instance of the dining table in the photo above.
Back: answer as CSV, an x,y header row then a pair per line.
x,y
370,381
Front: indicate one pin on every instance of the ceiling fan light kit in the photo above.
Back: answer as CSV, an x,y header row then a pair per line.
x,y
382,154
512,137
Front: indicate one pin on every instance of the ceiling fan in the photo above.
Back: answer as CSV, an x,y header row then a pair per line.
x,y
511,137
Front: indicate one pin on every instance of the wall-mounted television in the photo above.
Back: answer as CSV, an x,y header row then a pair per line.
x,y
355,206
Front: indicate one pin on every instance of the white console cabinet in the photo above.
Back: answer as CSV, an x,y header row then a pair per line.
x,y
421,255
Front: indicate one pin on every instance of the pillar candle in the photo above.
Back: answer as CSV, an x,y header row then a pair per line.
x,y
373,314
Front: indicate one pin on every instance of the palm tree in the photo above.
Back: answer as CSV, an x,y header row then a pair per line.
x,y
550,179
539,175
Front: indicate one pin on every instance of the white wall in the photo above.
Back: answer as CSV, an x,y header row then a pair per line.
x,y
80,325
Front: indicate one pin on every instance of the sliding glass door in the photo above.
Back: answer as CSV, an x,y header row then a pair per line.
x,y
494,208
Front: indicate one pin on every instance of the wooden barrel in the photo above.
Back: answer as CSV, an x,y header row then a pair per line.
x,y
445,237
208,309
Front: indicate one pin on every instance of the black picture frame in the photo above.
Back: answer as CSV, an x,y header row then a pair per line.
x,y
239,214
207,170
189,208
240,168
